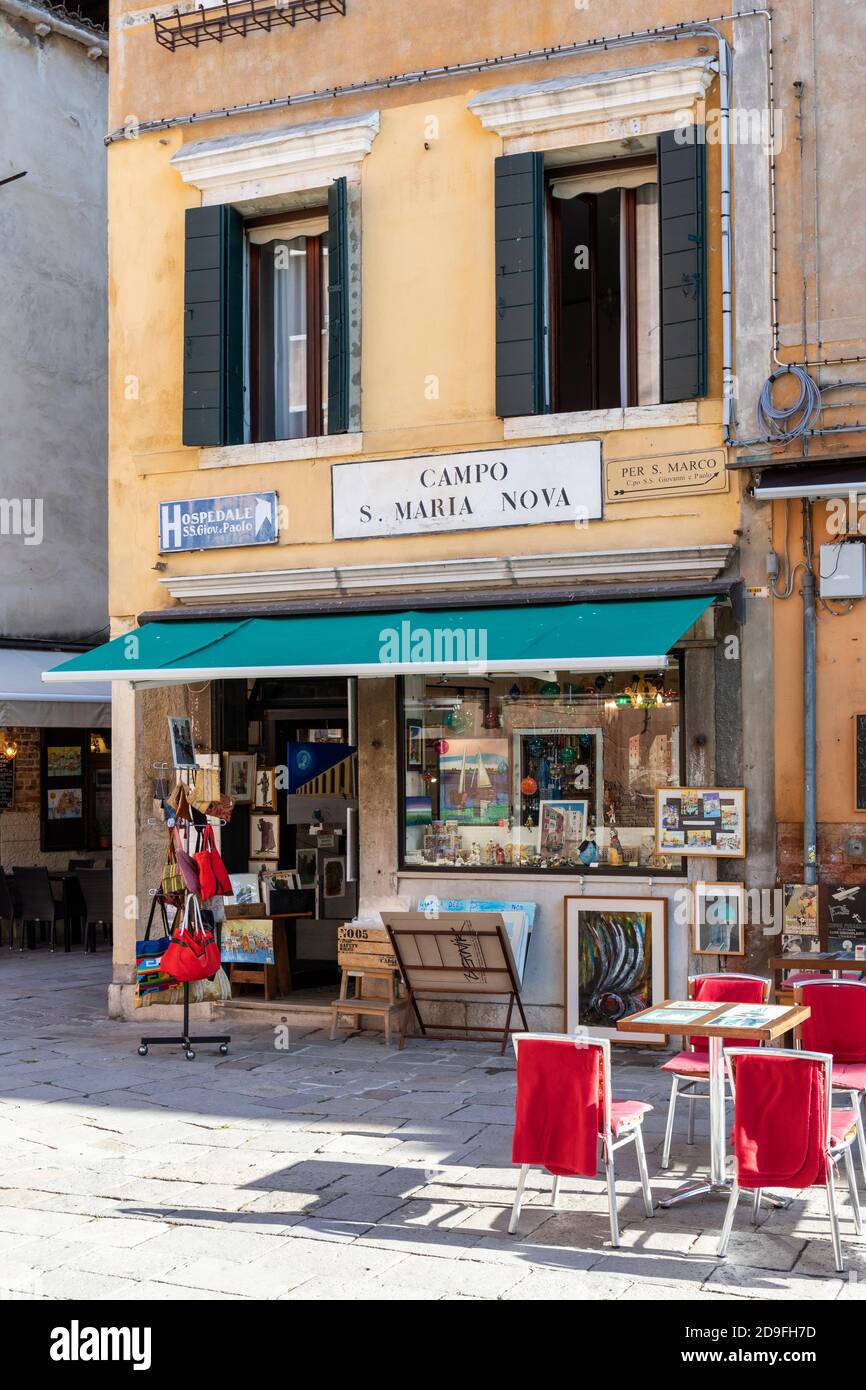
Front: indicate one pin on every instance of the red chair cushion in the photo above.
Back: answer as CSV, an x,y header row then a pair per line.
x,y
688,1064
849,1076
715,990
559,1110
841,1124
837,1023
780,1121
624,1112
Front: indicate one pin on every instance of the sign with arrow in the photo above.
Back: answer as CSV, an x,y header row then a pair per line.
x,y
685,474
207,523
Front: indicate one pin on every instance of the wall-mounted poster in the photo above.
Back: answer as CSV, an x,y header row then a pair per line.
x,y
334,877
701,820
615,963
562,827
846,917
719,919
473,781
62,760
801,917
64,803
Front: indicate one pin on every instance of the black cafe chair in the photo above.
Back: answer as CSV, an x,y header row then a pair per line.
x,y
9,911
96,895
38,906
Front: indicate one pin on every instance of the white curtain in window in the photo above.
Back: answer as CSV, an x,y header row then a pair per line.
x,y
290,338
648,324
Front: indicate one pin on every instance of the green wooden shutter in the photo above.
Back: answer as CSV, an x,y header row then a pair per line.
x,y
338,308
683,265
519,203
213,333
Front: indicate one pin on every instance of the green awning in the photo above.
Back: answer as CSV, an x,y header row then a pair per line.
x,y
626,636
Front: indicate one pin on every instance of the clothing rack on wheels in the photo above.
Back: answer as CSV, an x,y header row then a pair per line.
x,y
184,1039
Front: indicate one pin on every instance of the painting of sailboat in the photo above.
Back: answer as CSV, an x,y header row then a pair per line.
x,y
474,781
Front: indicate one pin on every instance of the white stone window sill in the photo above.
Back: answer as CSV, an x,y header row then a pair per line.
x,y
321,446
633,417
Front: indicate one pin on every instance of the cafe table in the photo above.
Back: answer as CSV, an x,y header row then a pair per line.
x,y
742,1022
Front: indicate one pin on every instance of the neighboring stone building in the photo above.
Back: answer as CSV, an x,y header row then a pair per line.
x,y
53,425
550,280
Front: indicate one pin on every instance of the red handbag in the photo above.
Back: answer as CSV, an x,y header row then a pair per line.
x,y
212,872
192,953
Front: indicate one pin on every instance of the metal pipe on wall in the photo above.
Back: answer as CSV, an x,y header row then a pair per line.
x,y
810,702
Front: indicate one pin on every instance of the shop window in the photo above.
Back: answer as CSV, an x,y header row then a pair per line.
x,y
553,775
604,302
287,327
75,789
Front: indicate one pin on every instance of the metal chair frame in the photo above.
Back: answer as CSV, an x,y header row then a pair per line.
x,y
855,1096
633,1135
685,1085
832,1154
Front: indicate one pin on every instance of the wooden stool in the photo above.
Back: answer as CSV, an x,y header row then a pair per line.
x,y
355,1006
250,973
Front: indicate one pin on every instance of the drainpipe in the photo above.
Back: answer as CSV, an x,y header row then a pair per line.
x,y
810,739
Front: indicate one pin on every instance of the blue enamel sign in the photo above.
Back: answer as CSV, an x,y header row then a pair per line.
x,y
206,523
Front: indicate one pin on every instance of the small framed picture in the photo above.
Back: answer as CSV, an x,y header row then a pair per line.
x,y
182,750
264,836
308,867
265,789
334,878
719,919
240,771
414,745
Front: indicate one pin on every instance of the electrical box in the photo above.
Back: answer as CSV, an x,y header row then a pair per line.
x,y
843,570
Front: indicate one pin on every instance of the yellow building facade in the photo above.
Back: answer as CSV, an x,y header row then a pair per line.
x,y
545,270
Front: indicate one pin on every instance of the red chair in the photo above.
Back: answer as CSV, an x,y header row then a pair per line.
x,y
564,1108
786,1133
688,1069
837,1025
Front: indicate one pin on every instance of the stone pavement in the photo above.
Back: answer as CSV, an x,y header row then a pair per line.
x,y
330,1170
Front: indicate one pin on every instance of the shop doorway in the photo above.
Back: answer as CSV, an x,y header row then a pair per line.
x,y
294,823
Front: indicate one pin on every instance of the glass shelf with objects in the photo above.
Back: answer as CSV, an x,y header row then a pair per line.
x,y
525,774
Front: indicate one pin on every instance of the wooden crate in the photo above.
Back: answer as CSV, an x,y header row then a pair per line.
x,y
362,947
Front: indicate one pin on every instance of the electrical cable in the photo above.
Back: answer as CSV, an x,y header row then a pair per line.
x,y
787,423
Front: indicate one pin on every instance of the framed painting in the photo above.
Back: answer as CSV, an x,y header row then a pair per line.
x,y
719,919
265,789
414,745
710,821
264,836
240,770
615,963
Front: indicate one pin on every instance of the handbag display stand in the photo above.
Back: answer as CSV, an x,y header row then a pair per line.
x,y
183,1039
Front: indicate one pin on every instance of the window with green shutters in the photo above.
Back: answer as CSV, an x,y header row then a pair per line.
x,y
601,279
266,330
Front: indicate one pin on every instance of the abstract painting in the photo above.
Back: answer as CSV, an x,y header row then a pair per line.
x,y
615,963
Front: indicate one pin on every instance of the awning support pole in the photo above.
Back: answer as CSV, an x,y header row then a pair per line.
x,y
810,737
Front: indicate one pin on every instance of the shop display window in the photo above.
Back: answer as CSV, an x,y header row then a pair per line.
x,y
519,773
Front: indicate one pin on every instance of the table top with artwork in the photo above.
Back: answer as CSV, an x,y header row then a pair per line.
x,y
747,1021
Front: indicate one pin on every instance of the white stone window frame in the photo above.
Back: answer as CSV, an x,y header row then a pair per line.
x,y
288,169
581,117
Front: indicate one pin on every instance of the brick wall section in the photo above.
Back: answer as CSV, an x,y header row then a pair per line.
x,y
841,852
26,769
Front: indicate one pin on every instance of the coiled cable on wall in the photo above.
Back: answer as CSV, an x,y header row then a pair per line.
x,y
791,421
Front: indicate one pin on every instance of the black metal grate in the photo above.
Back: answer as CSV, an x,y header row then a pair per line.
x,y
239,18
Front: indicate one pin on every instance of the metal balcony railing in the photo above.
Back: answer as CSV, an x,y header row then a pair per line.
x,y
238,18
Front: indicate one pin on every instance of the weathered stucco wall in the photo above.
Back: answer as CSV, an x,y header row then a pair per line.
x,y
53,348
